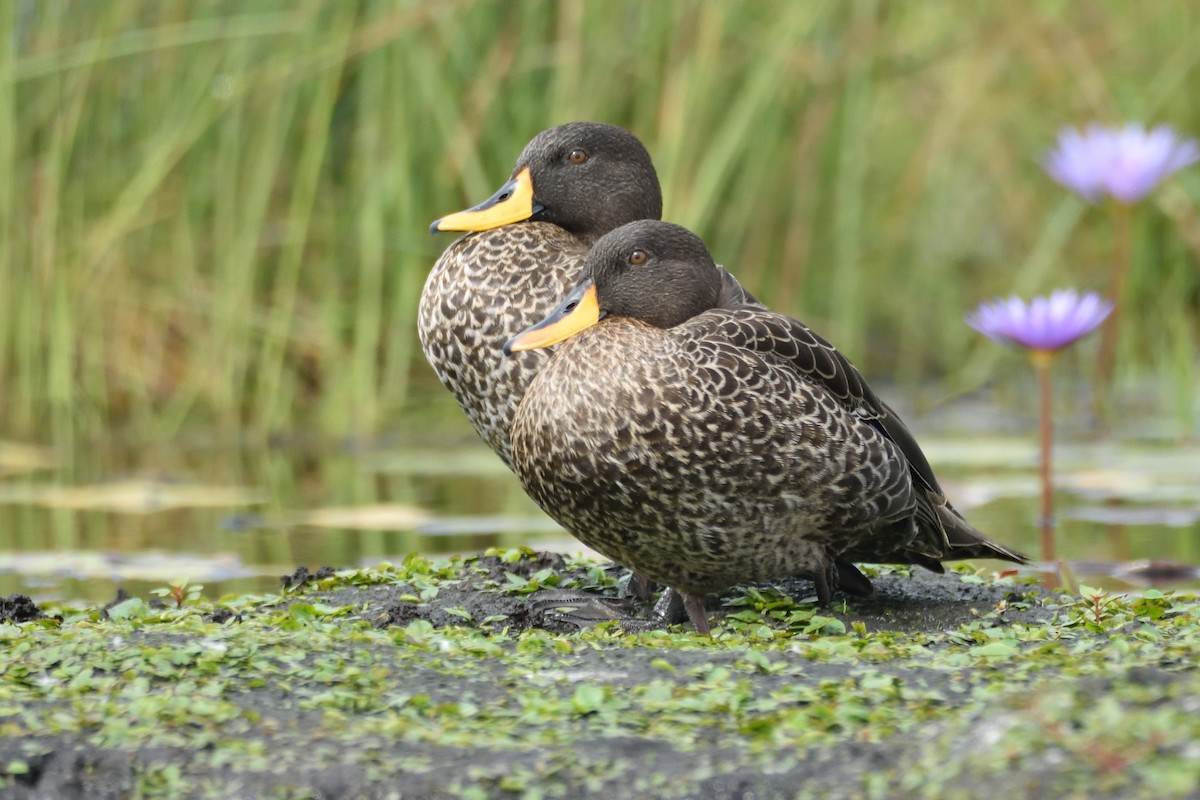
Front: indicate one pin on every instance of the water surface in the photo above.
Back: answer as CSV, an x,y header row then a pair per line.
x,y
234,517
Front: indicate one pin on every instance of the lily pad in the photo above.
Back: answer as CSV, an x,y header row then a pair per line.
x,y
378,516
134,496
16,457
456,463
147,565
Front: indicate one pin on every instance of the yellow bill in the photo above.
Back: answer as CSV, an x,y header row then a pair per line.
x,y
578,311
512,202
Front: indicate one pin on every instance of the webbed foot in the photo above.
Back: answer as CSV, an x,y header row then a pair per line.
x,y
851,580
584,609
577,608
694,605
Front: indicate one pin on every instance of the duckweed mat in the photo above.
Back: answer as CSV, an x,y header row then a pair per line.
x,y
449,679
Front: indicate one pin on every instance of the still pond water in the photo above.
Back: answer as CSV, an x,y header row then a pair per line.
x,y
76,526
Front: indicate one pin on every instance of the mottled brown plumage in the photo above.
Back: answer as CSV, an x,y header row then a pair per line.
x,y
491,283
485,286
703,443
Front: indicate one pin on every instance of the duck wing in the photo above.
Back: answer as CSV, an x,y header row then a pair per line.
x,y
945,533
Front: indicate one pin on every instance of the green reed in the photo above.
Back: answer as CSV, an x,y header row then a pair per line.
x,y
215,214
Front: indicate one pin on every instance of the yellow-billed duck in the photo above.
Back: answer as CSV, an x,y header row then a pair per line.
x,y
572,184
704,443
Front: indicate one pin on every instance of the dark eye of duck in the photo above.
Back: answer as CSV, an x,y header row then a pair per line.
x,y
637,258
577,156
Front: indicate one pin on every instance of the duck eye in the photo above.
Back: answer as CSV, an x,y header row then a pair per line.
x,y
637,258
577,157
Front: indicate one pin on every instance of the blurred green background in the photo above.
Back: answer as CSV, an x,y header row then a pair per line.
x,y
213,215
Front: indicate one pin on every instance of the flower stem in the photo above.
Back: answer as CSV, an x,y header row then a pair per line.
x,y
1042,359
1119,276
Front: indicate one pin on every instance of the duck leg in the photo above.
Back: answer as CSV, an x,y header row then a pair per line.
x,y
641,587
822,582
694,604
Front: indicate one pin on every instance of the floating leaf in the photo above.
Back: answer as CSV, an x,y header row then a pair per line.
x,y
141,496
133,608
994,649
145,565
380,516
588,698
487,524
16,457
1123,515
991,452
477,461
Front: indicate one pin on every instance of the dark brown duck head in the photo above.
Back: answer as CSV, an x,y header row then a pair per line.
x,y
656,272
586,177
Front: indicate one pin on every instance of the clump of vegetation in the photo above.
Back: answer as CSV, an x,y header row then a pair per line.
x,y
1055,694
180,592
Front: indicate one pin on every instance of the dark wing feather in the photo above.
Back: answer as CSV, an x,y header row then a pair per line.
x,y
946,534
819,361
733,294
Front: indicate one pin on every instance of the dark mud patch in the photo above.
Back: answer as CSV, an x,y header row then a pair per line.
x,y
301,575
19,608
492,594
917,602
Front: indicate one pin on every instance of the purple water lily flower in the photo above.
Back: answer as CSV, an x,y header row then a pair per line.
x,y
1125,163
1046,323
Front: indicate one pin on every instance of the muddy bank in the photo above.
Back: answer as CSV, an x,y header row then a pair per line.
x,y
436,679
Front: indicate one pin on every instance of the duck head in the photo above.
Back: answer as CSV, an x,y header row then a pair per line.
x,y
656,272
586,177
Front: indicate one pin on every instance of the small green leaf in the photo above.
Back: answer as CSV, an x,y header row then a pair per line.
x,y
133,608
994,649
826,625
302,611
588,698
758,659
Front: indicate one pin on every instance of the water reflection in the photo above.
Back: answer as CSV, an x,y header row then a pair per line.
x,y
235,518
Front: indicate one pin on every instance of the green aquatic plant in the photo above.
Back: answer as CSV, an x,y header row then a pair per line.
x,y
180,592
1080,697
